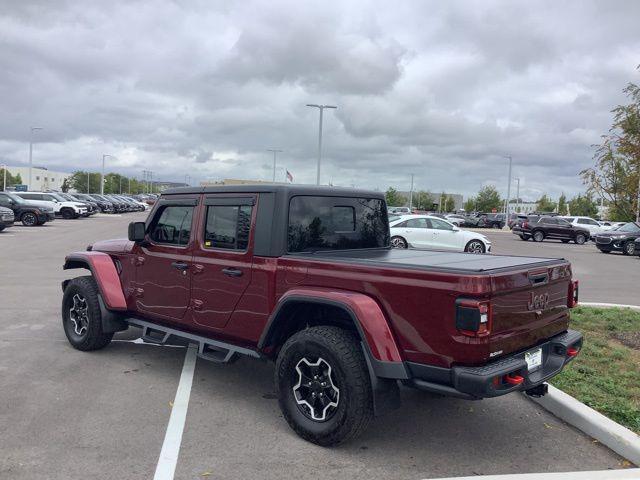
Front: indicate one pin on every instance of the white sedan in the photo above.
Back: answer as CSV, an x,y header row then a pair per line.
x,y
424,231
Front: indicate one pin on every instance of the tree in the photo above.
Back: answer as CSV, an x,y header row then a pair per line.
x,y
470,205
488,198
616,174
450,204
583,205
66,185
545,204
11,179
423,200
562,205
395,199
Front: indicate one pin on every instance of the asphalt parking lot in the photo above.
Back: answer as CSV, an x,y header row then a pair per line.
x,y
66,414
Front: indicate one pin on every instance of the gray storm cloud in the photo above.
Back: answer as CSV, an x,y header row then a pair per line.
x,y
441,90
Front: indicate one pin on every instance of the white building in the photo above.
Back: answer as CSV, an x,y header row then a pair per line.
x,y
41,178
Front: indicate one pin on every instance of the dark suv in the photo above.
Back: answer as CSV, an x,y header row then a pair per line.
x,y
545,227
619,240
29,212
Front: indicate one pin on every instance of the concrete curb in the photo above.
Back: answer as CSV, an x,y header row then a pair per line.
x,y
618,438
608,305
628,474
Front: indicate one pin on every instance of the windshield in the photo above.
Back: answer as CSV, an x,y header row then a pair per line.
x,y
58,197
15,197
336,223
630,227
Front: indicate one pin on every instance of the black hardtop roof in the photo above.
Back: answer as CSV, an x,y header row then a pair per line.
x,y
288,190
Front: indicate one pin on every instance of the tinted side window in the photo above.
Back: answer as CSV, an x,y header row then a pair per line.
x,y
418,223
440,225
336,223
228,226
172,225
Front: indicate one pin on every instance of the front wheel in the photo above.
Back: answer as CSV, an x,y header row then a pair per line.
x,y
475,246
629,248
29,219
68,214
81,317
399,242
323,384
580,239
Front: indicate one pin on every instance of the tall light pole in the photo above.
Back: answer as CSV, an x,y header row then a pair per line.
x,y
275,151
102,179
4,177
321,108
33,129
506,203
187,179
88,182
518,195
411,194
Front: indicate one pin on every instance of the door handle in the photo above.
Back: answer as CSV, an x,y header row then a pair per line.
x,y
232,272
180,265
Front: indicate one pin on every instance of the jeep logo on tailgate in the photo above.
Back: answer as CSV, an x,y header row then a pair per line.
x,y
538,302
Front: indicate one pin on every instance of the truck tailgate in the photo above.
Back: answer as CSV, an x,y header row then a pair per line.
x,y
528,307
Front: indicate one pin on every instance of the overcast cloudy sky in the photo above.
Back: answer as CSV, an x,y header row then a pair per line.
x,y
440,89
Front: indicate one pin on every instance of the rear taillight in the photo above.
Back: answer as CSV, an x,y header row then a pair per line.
x,y
525,224
572,296
473,317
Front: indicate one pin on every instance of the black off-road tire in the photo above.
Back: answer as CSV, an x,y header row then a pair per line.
x,y
93,338
342,351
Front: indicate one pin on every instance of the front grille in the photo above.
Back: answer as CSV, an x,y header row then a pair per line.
x,y
603,240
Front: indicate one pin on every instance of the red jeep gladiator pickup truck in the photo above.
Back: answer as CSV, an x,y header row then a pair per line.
x,y
305,276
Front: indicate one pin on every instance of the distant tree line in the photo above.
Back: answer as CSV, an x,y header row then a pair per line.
x,y
84,182
11,179
421,200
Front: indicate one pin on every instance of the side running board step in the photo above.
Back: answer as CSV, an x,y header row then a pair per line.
x,y
209,349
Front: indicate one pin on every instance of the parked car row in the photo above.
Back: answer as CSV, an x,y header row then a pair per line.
x,y
37,208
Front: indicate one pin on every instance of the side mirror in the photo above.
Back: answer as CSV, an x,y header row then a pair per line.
x,y
455,229
137,231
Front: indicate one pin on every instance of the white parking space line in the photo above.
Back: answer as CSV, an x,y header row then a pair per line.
x,y
168,460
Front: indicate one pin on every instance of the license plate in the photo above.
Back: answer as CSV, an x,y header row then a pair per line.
x,y
533,359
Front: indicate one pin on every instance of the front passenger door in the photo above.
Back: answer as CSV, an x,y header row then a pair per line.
x,y
163,279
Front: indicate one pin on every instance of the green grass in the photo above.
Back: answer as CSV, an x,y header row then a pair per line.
x,y
606,374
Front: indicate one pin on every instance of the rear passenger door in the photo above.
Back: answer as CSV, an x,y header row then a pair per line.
x,y
222,258
163,261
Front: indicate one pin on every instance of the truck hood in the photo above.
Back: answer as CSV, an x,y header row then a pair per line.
x,y
116,245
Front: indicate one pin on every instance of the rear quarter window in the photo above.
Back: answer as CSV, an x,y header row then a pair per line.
x,y
336,223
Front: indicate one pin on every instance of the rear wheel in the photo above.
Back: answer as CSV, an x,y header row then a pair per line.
x,y
475,246
81,317
29,219
580,239
628,248
399,242
323,384
538,236
524,237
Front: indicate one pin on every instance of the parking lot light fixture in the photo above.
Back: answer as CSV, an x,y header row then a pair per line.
x,y
4,177
33,129
506,202
275,152
321,109
102,179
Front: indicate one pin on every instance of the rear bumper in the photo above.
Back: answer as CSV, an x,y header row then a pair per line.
x,y
489,380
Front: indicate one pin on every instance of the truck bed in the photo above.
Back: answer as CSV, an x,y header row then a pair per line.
x,y
433,260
